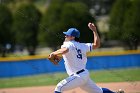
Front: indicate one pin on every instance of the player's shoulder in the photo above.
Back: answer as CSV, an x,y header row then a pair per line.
x,y
67,43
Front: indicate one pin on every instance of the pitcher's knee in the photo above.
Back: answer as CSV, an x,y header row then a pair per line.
x,y
59,87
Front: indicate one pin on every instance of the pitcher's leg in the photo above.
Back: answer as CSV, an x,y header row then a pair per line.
x,y
56,92
91,87
106,90
69,83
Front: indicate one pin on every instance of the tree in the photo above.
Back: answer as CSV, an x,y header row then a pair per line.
x,y
50,25
59,17
117,18
88,3
5,26
77,15
131,26
125,22
26,24
5,1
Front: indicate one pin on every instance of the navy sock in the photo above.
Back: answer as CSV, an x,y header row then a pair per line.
x,y
57,92
105,90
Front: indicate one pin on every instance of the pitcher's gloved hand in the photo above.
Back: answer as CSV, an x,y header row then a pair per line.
x,y
54,59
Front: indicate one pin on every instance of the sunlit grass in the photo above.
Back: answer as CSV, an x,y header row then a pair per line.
x,y
122,75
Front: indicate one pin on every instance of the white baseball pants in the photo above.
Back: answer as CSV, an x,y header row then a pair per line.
x,y
81,80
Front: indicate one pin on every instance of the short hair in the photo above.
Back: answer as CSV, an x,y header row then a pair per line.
x,y
77,39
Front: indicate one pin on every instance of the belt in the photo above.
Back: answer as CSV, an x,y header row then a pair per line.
x,y
80,71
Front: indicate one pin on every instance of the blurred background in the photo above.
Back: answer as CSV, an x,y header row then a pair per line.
x,y
31,29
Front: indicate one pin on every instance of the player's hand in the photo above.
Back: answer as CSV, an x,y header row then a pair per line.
x,y
50,55
54,59
92,26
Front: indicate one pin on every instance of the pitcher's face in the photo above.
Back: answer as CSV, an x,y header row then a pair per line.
x,y
69,38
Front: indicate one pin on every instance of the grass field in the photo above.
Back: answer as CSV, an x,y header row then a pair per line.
x,y
122,75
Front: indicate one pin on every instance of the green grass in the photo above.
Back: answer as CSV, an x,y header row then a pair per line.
x,y
123,75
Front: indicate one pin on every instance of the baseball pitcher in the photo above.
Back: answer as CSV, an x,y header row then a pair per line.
x,y
74,55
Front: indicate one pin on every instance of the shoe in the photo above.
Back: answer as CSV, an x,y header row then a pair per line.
x,y
120,91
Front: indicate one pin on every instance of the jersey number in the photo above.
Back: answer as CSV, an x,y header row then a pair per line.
x,y
79,54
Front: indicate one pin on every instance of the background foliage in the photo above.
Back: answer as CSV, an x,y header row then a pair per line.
x,y
25,27
125,23
32,23
59,17
5,28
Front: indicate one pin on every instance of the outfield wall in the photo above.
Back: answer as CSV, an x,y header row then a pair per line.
x,y
11,67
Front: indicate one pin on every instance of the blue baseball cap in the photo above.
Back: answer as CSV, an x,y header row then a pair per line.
x,y
72,32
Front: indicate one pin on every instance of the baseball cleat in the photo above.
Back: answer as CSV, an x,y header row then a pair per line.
x,y
120,91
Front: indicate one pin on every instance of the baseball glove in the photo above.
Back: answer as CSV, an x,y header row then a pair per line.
x,y
54,59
